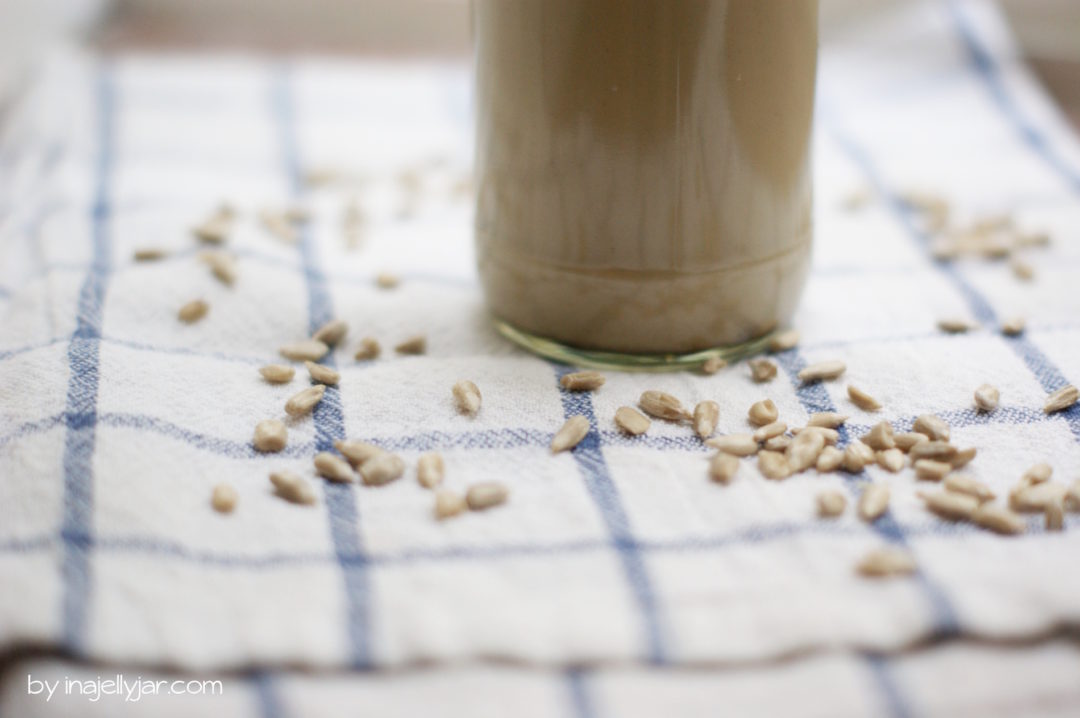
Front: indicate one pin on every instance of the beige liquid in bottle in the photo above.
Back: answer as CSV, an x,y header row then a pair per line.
x,y
643,168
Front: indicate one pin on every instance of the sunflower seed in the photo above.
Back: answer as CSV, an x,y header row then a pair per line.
x,y
827,419
430,470
831,436
412,345
331,333
1061,399
1035,498
964,484
582,381
822,371
1055,516
881,437
930,470
940,450
222,266
1032,239
950,505
1072,497
830,503
770,431
322,374
873,502
277,224
891,460
830,459
736,444
1037,474
382,468
467,397
486,494
773,465
722,467
782,341
763,412
224,498
367,349
270,436
386,280
713,365
631,421
277,373
357,452
856,456
215,229
333,467
886,562
307,350
777,443
962,457
761,370
706,414
908,439
1022,270
804,450
150,254
954,325
448,503
570,435
292,488
861,399
998,519
193,311
303,402
933,426
660,405
1013,327
986,398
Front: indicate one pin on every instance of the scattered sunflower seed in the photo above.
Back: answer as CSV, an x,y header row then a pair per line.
x,y
631,421
861,399
193,311
1013,327
486,494
762,370
222,266
277,373
998,519
582,381
150,254
830,459
804,451
660,405
1037,474
773,465
782,341
880,437
713,365
467,397
570,435
856,456
333,467
322,374
270,436
873,502
1055,516
307,350
448,503
886,562
940,450
292,487
430,470
357,452
891,459
722,467
1036,497
1061,399
386,280
950,505
368,349
332,332
412,345
930,470
770,431
763,412
831,436
827,419
737,444
304,401
908,439
706,414
830,503
382,468
277,224
933,426
777,443
1022,270
822,371
1072,497
224,498
215,229
962,457
987,398
954,325
964,484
